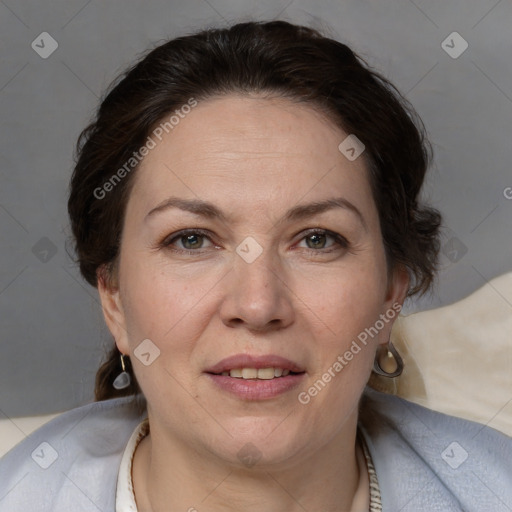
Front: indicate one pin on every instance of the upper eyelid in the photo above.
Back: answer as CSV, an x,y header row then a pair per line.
x,y
318,230
322,231
188,231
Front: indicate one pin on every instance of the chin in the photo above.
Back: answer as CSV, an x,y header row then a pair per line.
x,y
261,442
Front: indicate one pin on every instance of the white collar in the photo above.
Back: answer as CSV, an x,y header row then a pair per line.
x,y
125,497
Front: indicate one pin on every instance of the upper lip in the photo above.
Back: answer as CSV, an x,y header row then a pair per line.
x,y
252,361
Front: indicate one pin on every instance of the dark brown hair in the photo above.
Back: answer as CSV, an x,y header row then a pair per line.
x,y
277,58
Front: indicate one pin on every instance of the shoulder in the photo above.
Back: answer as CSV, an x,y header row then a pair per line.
x,y
72,461
426,460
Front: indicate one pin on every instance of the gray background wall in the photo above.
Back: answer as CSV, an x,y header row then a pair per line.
x,y
52,333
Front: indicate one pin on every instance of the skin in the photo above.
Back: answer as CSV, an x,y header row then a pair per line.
x,y
254,158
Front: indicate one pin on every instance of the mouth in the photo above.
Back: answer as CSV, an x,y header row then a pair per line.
x,y
256,377
258,373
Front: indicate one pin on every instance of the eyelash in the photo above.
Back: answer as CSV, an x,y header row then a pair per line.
x,y
338,239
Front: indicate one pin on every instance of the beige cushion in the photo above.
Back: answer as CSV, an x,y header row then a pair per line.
x,y
458,358
12,431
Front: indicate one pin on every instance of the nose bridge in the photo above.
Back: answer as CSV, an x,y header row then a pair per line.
x,y
257,278
257,297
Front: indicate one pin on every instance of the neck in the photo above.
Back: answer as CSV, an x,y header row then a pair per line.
x,y
169,475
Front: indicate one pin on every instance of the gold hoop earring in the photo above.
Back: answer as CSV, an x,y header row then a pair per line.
x,y
388,362
123,380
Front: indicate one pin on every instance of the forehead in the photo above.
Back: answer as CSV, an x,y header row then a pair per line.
x,y
263,148
236,126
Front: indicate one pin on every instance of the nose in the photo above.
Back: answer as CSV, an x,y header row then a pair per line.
x,y
257,296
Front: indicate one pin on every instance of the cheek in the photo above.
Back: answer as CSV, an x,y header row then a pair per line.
x,y
343,348
172,311
166,305
343,311
343,301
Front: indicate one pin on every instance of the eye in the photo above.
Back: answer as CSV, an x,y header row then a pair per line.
x,y
318,239
188,241
192,241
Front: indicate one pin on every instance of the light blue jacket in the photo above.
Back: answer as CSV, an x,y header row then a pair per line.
x,y
425,461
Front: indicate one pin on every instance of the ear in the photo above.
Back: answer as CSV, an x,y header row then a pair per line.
x,y
398,287
112,309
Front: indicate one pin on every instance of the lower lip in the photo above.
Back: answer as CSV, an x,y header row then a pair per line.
x,y
257,389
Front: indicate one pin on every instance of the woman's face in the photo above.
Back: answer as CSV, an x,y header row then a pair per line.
x,y
252,243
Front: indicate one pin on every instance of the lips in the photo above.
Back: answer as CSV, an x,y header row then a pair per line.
x,y
255,378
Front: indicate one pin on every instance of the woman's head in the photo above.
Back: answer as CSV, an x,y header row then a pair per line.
x,y
275,58
295,244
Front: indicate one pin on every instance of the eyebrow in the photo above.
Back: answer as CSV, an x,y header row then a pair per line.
x,y
309,210
299,212
196,206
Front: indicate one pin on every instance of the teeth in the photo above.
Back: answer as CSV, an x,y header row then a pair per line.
x,y
266,373
249,373
255,373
